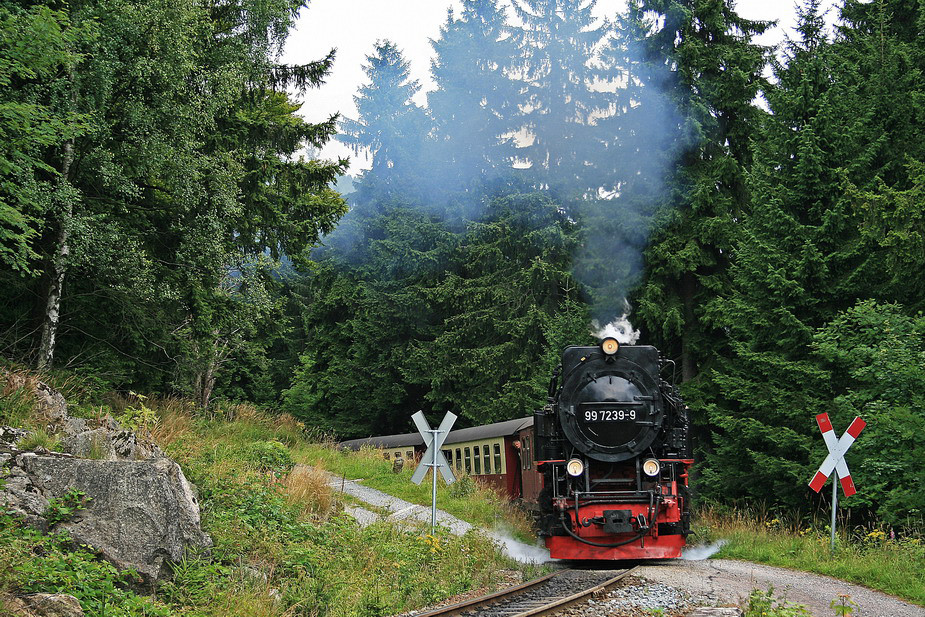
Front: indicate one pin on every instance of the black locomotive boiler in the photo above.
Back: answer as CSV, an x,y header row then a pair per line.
x,y
613,449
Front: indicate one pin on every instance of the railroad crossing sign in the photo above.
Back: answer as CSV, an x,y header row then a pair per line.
x,y
433,449
433,439
835,461
836,458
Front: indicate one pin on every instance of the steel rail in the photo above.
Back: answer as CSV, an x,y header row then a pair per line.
x,y
492,598
546,609
554,607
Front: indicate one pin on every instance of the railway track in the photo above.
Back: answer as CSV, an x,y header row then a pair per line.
x,y
546,595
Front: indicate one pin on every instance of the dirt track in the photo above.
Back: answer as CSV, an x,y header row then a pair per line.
x,y
729,582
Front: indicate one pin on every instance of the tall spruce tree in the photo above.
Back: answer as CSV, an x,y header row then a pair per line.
x,y
558,65
640,132
766,389
389,128
506,310
475,105
717,73
812,244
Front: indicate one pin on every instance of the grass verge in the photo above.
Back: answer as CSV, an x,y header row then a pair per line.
x,y
868,558
466,498
282,544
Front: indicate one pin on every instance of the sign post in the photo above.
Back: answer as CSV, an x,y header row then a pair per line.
x,y
835,461
433,439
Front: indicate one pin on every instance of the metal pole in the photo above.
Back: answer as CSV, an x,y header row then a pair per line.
x,y
433,471
834,505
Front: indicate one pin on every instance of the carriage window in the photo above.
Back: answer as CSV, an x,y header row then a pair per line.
x,y
477,460
409,454
458,459
468,461
398,455
497,458
387,455
448,455
486,458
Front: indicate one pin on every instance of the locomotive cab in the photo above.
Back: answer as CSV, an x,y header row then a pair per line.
x,y
613,448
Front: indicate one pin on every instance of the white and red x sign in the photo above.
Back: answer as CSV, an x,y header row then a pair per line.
x,y
836,458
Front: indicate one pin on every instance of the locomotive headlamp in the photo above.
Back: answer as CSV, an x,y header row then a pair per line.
x,y
575,467
651,467
610,346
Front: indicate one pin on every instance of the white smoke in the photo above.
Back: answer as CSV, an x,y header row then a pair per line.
x,y
518,551
620,329
697,553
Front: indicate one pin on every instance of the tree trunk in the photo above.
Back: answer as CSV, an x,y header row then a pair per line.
x,y
688,367
52,314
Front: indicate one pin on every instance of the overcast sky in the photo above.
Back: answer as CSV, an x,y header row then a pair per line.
x,y
352,26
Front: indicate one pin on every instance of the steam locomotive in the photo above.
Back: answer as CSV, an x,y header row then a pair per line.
x,y
613,449
604,463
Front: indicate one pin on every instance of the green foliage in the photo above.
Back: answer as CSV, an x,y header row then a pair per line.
x,y
33,562
763,604
62,509
181,175
843,606
37,49
269,456
139,419
875,356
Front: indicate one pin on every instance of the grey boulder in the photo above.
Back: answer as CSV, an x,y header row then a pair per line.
x,y
44,605
140,514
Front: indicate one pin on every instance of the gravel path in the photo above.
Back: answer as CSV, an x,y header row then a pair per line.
x,y
398,509
726,582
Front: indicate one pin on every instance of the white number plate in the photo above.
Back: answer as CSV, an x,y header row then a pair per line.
x,y
609,415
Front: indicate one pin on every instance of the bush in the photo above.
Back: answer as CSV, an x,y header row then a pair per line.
x,y
269,456
31,562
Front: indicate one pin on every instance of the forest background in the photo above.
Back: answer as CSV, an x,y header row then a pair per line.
x,y
759,213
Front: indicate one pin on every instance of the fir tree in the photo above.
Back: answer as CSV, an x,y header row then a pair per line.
x,y
717,73
390,128
475,105
558,65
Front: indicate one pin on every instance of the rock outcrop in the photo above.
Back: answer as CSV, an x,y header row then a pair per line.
x,y
43,605
139,514
109,444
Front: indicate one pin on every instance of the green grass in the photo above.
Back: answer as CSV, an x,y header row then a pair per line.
x,y
38,438
318,561
16,407
865,557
